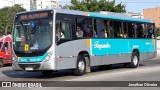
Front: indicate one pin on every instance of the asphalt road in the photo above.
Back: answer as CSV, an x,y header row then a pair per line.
x,y
149,70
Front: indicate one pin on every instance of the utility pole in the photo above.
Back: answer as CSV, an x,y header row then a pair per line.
x,y
33,4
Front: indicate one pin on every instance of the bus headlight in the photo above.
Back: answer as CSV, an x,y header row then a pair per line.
x,y
48,57
13,58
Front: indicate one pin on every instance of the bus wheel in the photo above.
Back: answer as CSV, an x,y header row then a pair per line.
x,y
1,63
80,66
134,60
47,72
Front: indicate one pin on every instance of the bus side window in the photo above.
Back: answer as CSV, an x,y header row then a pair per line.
x,y
111,30
140,30
67,30
150,31
125,25
131,27
117,29
95,29
58,37
102,28
86,26
63,30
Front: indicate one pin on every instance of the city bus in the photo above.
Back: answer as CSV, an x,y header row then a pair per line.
x,y
57,39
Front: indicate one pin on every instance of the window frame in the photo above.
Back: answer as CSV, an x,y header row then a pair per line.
x,y
60,26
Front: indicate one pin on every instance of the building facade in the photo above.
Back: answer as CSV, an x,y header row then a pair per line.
x,y
152,14
42,4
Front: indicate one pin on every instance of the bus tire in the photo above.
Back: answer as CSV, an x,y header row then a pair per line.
x,y
1,63
80,66
134,60
47,72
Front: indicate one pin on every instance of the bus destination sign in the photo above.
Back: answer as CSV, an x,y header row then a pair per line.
x,y
35,15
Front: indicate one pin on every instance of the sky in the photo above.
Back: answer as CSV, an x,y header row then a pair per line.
x,y
131,5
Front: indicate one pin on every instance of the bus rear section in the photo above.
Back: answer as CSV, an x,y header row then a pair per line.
x,y
5,50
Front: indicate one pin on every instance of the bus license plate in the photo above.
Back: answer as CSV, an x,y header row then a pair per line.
x,y
29,68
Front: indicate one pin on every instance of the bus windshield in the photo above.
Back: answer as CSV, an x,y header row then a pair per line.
x,y
36,34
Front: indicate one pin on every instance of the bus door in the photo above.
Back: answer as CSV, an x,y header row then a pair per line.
x,y
65,45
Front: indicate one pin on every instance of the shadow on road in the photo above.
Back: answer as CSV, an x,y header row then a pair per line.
x,y
64,73
6,65
61,73
37,74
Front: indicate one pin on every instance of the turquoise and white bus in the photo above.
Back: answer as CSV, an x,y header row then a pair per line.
x,y
55,39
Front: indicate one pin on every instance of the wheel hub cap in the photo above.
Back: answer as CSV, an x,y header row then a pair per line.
x,y
81,66
135,60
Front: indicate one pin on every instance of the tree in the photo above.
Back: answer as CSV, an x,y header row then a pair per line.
x,y
7,15
96,5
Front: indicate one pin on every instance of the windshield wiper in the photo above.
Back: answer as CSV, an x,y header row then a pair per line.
x,y
25,29
22,25
37,25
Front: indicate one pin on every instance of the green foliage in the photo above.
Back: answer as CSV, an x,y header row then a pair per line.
x,y
96,5
158,31
7,15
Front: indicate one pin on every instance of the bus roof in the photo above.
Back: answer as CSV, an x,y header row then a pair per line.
x,y
103,14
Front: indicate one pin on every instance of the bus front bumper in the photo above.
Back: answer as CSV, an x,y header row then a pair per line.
x,y
47,65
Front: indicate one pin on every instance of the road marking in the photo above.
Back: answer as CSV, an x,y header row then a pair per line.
x,y
128,71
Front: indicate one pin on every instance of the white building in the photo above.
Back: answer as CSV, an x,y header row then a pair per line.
x,y
42,4
47,4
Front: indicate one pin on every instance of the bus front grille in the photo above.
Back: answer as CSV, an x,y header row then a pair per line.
x,y
34,66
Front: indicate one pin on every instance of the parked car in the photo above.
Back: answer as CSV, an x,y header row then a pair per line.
x,y
5,50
